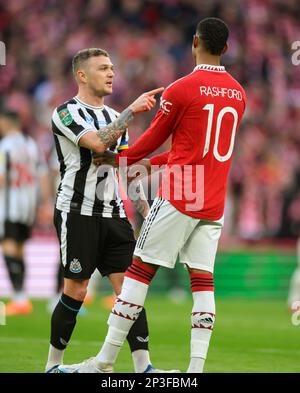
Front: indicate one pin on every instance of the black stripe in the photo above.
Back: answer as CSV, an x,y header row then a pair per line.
x,y
138,268
65,105
80,179
99,202
108,121
81,114
137,274
73,127
113,202
62,165
93,115
7,185
140,273
56,130
152,217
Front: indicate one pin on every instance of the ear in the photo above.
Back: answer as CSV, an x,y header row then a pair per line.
x,y
81,76
195,41
225,48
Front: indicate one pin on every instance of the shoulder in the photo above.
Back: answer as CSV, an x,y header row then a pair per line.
x,y
65,106
236,83
112,111
177,91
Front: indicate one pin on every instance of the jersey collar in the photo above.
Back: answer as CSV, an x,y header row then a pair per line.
x,y
209,67
87,105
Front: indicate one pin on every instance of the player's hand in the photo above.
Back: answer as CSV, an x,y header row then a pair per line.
x,y
107,158
146,101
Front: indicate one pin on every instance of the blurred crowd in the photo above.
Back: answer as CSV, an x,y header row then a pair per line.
x,y
150,46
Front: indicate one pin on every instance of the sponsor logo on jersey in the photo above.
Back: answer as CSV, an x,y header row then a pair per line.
x,y
75,266
65,117
165,106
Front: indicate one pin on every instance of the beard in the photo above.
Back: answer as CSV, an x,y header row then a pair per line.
x,y
100,92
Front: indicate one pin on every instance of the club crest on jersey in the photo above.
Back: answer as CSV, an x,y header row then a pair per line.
x,y
65,117
75,266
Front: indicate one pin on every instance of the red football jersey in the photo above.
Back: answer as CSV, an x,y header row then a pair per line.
x,y
202,111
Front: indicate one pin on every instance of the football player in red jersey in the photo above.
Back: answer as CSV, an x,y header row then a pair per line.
x,y
202,111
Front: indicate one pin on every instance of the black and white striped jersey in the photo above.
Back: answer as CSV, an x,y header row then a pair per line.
x,y
85,188
21,166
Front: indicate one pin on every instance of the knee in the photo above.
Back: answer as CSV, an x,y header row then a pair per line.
x,y
76,289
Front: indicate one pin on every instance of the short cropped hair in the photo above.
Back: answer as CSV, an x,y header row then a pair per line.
x,y
214,34
84,54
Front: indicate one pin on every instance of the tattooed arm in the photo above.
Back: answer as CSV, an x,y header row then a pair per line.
x,y
107,136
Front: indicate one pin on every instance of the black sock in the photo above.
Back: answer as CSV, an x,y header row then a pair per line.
x,y
63,321
16,271
138,335
59,278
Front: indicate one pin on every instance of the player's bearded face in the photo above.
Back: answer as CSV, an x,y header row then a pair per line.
x,y
99,73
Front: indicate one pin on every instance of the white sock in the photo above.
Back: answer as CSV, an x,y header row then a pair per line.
x,y
203,316
55,357
196,365
121,319
141,360
20,297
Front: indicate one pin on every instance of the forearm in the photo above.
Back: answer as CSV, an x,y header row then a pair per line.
x,y
153,137
160,159
109,134
45,189
135,193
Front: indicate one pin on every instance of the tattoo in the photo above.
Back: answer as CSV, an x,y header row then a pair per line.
x,y
112,132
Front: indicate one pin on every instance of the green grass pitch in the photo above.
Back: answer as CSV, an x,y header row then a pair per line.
x,y
249,336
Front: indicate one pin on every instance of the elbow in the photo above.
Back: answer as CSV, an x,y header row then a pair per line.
x,y
99,148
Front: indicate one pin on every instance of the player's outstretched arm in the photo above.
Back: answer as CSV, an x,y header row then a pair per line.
x,y
107,136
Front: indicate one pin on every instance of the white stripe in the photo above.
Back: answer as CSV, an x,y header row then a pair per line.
x,y
148,222
63,238
71,155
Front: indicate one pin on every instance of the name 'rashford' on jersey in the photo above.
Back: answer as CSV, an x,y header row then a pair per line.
x,y
85,188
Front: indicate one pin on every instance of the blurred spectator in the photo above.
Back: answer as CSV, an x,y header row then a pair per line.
x,y
149,44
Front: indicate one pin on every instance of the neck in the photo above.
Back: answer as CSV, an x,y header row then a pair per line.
x,y
90,98
207,59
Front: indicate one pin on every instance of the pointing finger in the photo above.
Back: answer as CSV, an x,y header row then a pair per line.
x,y
155,91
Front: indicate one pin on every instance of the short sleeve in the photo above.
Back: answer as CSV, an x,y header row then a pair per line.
x,y
69,122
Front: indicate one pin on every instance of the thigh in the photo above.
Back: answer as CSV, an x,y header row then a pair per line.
x,y
78,238
199,251
163,234
117,247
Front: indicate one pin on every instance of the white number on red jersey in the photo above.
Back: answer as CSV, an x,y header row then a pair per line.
x,y
227,109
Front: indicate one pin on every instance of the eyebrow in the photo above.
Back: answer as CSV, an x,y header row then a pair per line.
x,y
106,65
